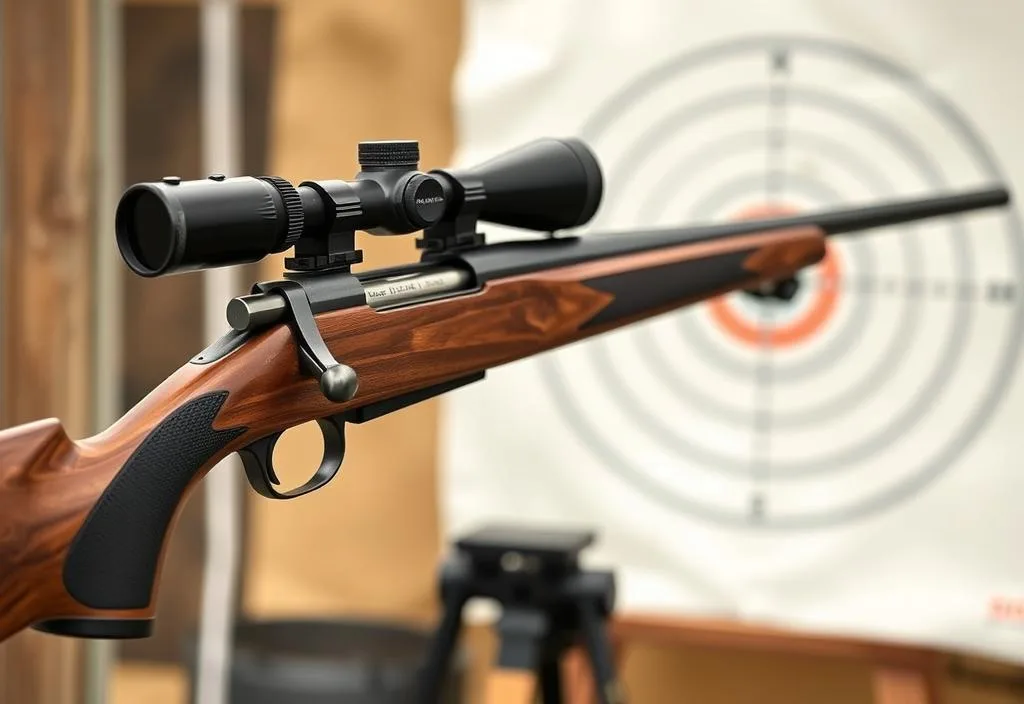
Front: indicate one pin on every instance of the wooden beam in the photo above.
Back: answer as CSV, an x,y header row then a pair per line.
x,y
46,274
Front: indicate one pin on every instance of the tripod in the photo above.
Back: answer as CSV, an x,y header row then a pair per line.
x,y
548,605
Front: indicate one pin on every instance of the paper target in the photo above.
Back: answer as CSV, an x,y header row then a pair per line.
x,y
895,351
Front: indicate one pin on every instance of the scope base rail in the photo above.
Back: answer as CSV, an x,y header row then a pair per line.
x,y
334,252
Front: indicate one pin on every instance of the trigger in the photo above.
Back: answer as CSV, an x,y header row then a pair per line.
x,y
258,461
268,471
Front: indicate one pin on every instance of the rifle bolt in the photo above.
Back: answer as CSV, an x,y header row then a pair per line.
x,y
255,311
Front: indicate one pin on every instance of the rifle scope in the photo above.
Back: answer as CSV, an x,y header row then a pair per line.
x,y
175,226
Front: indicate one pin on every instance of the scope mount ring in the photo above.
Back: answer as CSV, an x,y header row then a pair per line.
x,y
258,461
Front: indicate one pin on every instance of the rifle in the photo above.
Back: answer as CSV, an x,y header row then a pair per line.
x,y
83,524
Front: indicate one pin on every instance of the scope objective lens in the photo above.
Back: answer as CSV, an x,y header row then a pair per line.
x,y
151,232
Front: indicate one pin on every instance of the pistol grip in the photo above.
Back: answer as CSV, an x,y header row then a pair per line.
x,y
113,559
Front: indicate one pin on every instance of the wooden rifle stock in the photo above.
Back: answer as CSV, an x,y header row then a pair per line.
x,y
83,524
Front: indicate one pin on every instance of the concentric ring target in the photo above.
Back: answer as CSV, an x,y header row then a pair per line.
x,y
891,359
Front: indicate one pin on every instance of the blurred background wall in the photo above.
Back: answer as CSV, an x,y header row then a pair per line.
x,y
46,275
319,76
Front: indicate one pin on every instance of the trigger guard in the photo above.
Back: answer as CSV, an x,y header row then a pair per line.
x,y
258,461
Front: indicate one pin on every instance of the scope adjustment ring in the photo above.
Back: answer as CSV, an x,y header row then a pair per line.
x,y
292,206
423,200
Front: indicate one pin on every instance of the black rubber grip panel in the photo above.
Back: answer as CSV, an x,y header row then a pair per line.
x,y
112,560
643,290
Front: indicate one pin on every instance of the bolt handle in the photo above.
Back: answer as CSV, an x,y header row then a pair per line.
x,y
338,382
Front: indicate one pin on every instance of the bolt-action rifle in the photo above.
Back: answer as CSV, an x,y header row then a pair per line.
x,y
83,524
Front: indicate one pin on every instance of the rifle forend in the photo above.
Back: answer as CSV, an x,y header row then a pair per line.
x,y
83,524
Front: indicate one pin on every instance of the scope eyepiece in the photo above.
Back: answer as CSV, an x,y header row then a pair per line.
x,y
175,226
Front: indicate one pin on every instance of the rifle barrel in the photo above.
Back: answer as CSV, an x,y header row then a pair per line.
x,y
866,218
887,214
514,258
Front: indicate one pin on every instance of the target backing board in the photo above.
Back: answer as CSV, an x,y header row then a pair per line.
x,y
845,461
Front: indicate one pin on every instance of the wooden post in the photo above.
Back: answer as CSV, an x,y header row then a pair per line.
x,y
45,269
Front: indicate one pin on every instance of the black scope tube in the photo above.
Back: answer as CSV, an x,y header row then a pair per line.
x,y
175,226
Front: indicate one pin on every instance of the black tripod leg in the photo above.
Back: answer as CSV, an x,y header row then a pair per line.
x,y
439,655
599,648
523,633
551,680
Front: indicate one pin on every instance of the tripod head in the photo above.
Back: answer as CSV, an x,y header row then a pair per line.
x,y
548,604
174,226
527,567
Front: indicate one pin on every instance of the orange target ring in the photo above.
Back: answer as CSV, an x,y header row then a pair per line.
x,y
795,332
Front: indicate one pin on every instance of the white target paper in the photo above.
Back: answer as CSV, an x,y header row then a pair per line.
x,y
848,461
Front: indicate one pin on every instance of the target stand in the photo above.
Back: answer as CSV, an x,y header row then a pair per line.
x,y
549,605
